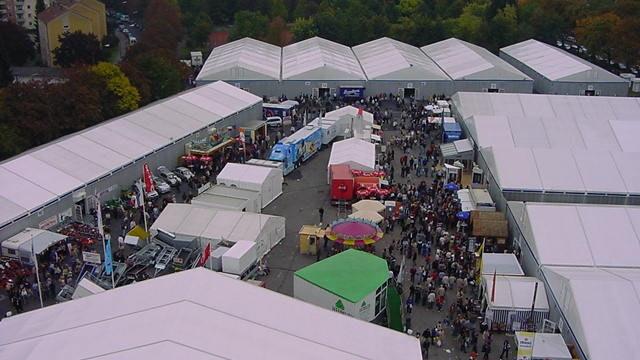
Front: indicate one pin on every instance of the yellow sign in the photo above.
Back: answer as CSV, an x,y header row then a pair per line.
x,y
525,345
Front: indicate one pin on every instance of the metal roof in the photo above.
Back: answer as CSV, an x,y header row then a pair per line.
x,y
244,59
33,179
464,61
389,59
551,121
320,59
556,64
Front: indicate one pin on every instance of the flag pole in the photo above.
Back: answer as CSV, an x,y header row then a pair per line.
x,y
35,260
533,303
493,288
104,240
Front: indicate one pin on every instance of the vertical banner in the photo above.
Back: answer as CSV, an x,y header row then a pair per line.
x,y
148,178
108,260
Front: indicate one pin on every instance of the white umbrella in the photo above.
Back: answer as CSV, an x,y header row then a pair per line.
x,y
368,205
367,215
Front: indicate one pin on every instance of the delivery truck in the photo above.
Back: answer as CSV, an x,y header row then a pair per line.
x,y
293,150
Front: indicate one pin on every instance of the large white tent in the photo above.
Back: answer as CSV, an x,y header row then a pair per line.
x,y
578,234
320,59
359,154
243,59
268,181
208,225
600,308
201,315
47,174
556,71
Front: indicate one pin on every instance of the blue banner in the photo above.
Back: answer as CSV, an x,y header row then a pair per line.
x,y
356,92
108,260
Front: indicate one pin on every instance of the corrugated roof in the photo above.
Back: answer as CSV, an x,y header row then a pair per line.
x,y
244,59
389,59
556,64
320,59
39,176
464,61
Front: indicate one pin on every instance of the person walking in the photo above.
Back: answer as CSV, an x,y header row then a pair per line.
x,y
504,355
321,213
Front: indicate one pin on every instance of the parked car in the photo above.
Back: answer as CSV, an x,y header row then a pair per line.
x,y
168,176
161,185
151,195
184,173
274,121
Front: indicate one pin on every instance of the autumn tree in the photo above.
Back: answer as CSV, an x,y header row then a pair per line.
x,y
597,33
77,48
275,32
118,95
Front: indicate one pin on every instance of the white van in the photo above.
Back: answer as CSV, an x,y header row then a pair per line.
x,y
274,121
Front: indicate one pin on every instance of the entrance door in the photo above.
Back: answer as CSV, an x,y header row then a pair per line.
x,y
409,93
324,92
493,90
590,92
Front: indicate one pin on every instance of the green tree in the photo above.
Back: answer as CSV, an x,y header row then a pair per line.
x,y
249,24
165,75
200,29
77,48
304,28
16,47
122,96
304,9
409,7
471,25
503,28
278,9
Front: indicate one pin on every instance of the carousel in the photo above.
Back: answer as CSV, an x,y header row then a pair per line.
x,y
354,233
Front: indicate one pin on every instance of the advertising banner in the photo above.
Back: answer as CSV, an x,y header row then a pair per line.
x,y
356,92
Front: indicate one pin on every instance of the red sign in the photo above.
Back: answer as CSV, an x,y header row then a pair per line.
x,y
148,179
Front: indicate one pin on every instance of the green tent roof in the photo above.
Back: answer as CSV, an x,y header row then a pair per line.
x,y
351,274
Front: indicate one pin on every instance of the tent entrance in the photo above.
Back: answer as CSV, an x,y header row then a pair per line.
x,y
409,92
324,92
590,92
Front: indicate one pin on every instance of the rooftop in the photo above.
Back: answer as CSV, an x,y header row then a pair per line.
x,y
320,59
243,59
351,274
196,314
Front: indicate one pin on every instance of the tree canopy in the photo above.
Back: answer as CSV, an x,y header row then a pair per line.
x,y
77,48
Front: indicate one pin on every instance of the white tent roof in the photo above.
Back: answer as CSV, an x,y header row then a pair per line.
x,y
320,59
547,346
551,121
37,177
464,61
353,150
41,239
515,292
501,264
582,235
253,174
243,59
347,111
196,314
556,64
602,307
564,170
209,223
389,59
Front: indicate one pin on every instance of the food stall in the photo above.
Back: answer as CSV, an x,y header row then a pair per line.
x,y
352,282
310,236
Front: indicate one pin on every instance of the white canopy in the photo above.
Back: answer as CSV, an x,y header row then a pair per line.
x,y
367,215
359,154
581,235
501,264
213,225
601,306
368,205
196,314
32,241
515,292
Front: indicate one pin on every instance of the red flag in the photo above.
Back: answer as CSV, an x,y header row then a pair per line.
x,y
148,179
205,255
493,288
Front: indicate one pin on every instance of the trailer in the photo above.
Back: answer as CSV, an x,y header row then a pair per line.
x,y
329,128
293,150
